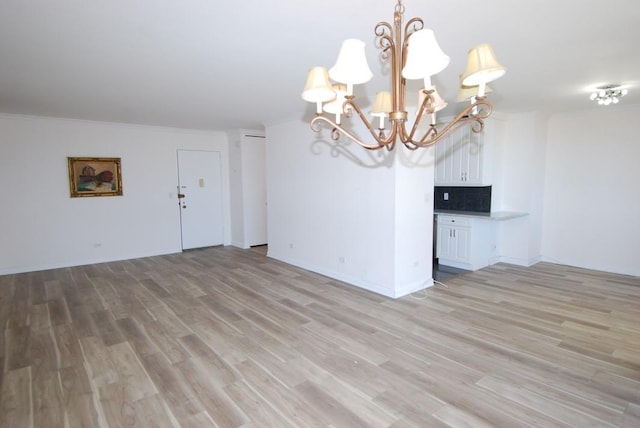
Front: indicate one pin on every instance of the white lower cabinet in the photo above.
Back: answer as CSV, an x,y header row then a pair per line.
x,y
453,239
463,242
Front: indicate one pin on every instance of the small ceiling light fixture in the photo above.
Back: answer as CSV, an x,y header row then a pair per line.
x,y
414,55
609,94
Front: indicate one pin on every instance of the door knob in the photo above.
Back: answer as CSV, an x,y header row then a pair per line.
x,y
180,195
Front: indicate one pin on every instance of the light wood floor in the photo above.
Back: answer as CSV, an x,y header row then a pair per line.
x,y
227,337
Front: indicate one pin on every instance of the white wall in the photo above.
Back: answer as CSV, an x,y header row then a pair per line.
x,y
246,178
359,216
334,212
576,175
235,188
518,168
592,190
41,227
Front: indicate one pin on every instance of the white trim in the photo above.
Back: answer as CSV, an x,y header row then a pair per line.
x,y
394,294
62,265
519,261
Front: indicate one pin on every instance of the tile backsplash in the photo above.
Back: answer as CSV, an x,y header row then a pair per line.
x,y
460,198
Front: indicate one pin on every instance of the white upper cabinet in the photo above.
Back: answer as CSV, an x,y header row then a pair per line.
x,y
459,158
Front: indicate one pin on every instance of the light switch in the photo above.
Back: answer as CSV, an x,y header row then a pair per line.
x,y
201,182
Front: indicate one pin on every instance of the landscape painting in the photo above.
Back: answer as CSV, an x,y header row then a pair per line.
x,y
94,177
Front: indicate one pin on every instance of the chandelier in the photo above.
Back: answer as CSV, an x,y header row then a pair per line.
x,y
608,94
414,55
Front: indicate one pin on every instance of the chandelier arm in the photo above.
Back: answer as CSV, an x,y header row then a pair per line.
x,y
385,43
397,62
350,105
432,130
402,83
337,130
432,136
422,109
423,142
418,24
383,32
411,146
482,110
414,145
382,28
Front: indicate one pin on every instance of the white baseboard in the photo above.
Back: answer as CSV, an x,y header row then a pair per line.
x,y
59,265
519,261
375,288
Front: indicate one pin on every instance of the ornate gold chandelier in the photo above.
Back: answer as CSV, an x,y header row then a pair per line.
x,y
414,55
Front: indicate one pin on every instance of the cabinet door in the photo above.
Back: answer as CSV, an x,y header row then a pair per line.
x,y
474,156
461,155
453,243
459,158
461,237
444,162
444,249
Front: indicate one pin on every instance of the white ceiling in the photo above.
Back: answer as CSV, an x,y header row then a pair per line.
x,y
240,64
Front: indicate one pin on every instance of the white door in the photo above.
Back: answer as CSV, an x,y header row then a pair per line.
x,y
254,190
200,197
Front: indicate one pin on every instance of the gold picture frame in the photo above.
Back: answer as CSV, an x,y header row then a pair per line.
x,y
94,177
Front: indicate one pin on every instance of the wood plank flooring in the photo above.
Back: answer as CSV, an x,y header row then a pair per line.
x,y
223,337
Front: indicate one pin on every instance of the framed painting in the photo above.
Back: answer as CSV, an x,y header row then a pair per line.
x,y
94,177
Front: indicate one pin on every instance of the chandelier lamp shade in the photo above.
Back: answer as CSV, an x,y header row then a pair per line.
x,y
467,93
609,94
414,54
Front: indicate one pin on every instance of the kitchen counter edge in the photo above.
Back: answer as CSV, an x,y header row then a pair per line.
x,y
495,215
